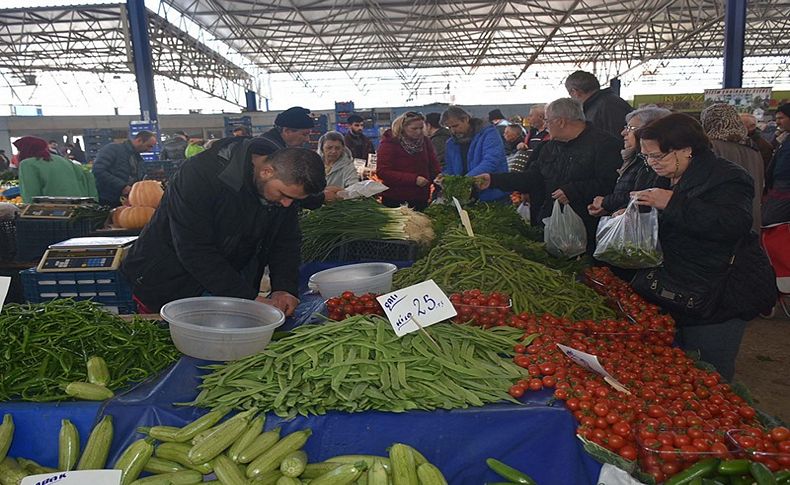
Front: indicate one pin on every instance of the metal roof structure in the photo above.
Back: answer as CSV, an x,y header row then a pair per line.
x,y
298,36
94,38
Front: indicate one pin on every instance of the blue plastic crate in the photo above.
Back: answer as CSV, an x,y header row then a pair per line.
x,y
344,106
108,288
34,236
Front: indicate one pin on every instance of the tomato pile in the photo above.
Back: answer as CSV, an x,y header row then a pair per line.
x,y
676,414
771,447
348,304
479,308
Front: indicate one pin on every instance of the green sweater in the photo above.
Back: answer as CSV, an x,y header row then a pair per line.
x,y
56,177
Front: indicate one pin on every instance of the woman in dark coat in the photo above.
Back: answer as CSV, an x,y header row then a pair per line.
x,y
703,215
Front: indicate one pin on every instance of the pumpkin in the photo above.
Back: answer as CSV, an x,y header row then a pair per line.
x,y
115,215
135,217
146,193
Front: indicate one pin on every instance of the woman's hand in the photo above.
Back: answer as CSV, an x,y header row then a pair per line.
x,y
560,195
422,181
596,208
483,181
658,198
330,193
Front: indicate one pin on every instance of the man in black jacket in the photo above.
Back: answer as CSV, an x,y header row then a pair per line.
x,y
175,147
577,164
291,128
604,109
229,206
119,165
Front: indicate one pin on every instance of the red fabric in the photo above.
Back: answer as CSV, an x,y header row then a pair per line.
x,y
32,147
776,241
399,170
141,308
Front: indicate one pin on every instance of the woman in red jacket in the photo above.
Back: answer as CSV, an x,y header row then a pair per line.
x,y
406,162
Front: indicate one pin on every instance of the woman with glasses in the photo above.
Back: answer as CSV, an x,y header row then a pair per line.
x,y
705,217
406,162
635,174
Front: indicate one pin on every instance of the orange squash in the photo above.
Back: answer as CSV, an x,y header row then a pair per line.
x,y
115,215
146,193
135,217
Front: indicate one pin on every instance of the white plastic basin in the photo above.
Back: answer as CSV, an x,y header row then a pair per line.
x,y
359,278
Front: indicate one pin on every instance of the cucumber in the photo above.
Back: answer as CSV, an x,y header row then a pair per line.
x,y
293,464
262,443
404,468
271,459
342,475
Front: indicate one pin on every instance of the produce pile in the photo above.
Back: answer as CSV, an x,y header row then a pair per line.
x,y
359,364
46,346
458,186
459,263
341,222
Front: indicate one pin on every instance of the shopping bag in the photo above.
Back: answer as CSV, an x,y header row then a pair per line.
x,y
564,232
629,240
523,210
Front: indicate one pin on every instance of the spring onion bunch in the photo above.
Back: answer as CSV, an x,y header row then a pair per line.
x,y
338,223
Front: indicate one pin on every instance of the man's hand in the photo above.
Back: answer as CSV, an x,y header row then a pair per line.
x,y
483,181
658,198
422,181
560,195
596,208
283,300
522,146
330,193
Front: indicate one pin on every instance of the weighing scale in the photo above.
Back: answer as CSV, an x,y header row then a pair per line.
x,y
86,254
54,207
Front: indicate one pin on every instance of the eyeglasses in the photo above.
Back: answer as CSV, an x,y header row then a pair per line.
x,y
656,157
631,128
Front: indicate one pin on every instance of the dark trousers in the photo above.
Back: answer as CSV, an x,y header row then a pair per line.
x,y
717,343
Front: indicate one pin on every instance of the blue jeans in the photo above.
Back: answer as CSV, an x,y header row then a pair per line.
x,y
717,343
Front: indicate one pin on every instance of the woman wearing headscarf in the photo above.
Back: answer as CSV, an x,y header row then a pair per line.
x,y
729,140
406,162
44,173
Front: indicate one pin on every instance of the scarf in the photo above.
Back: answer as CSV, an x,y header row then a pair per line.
x,y
412,147
721,122
32,147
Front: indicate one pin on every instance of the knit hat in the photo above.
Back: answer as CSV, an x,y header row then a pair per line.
x,y
721,122
495,114
355,119
784,109
296,118
32,147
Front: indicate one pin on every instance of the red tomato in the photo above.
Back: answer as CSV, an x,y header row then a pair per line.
x,y
516,391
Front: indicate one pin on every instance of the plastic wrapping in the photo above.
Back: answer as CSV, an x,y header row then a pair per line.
x,y
564,233
366,188
629,240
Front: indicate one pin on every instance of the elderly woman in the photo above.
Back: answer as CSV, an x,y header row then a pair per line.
x,y
635,174
776,208
42,173
338,163
730,140
406,162
705,218
474,149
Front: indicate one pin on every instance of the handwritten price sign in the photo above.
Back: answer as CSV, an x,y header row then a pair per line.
x,y
418,305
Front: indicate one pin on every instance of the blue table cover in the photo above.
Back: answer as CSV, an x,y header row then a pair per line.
x,y
535,437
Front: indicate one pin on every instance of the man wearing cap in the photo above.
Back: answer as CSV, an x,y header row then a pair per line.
x,y
226,215
240,130
291,128
496,118
175,147
356,141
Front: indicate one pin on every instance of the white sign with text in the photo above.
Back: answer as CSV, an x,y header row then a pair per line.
x,y
94,477
416,306
590,362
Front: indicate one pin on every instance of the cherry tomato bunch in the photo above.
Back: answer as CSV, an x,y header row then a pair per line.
x,y
770,447
484,309
348,304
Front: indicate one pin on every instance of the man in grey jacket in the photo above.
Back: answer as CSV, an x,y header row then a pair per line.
x,y
119,165
602,107
175,148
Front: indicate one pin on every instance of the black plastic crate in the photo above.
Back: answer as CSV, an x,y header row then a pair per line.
x,y
34,236
7,240
376,250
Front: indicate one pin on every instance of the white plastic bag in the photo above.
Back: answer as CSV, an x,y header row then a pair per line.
x,y
366,188
564,233
629,240
523,211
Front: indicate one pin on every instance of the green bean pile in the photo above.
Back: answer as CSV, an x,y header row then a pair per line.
x,y
462,263
359,364
536,251
45,346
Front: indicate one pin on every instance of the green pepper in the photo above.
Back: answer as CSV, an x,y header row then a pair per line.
x,y
761,474
509,473
741,480
782,477
713,481
734,467
702,469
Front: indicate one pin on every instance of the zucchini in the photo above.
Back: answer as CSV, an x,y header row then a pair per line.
x,y
201,424
268,478
227,471
220,439
94,457
288,481
271,459
34,468
293,464
261,444
343,475
10,472
88,392
98,372
369,459
165,433
377,475
6,435
404,469
254,429
68,445
430,475
419,459
133,460
178,452
315,470
183,477
158,466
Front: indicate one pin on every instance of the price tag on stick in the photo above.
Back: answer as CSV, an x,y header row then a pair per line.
x,y
464,218
415,307
591,363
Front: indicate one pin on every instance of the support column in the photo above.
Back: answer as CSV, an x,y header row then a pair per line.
x,y
734,36
614,84
143,67
252,100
